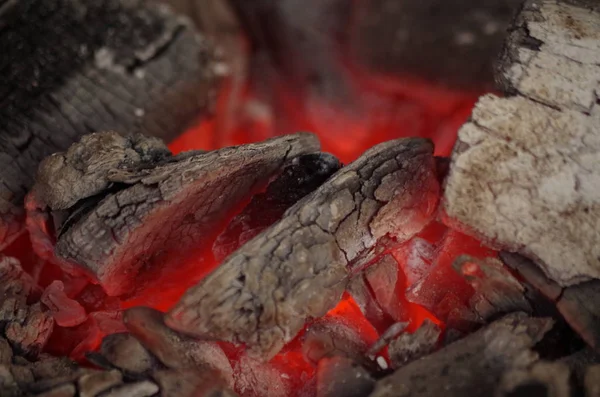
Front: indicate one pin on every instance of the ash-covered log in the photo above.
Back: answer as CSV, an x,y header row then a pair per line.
x,y
525,169
124,203
472,366
263,293
72,67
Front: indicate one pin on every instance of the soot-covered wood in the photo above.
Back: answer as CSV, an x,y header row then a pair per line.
x,y
472,366
262,294
146,207
71,67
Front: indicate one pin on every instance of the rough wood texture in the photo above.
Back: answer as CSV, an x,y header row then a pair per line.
x,y
149,218
525,173
262,294
473,366
71,67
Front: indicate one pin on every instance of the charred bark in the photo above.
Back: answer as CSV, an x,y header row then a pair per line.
x,y
146,207
263,293
66,74
525,168
473,366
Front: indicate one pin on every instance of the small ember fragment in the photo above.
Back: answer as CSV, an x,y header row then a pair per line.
x,y
66,312
409,347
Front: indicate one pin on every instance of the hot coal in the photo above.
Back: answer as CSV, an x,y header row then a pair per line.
x,y
66,312
262,294
125,352
497,291
340,376
304,175
148,218
578,304
408,347
473,365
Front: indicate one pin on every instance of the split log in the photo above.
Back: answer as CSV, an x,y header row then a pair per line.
x,y
263,293
472,366
525,170
72,67
130,204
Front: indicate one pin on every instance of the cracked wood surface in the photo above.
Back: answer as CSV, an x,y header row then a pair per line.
x,y
263,293
65,74
159,213
525,173
472,366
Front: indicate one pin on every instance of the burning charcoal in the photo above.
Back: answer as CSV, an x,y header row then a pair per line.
x,y
190,383
383,279
541,379
339,376
390,334
15,288
67,390
144,388
578,304
29,336
262,294
358,288
592,381
525,170
95,383
331,336
496,290
302,176
409,347
254,378
472,366
123,351
416,259
146,216
66,312
47,366
174,350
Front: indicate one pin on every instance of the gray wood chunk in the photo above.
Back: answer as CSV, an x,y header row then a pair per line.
x,y
262,294
472,366
95,383
143,388
164,212
525,172
151,73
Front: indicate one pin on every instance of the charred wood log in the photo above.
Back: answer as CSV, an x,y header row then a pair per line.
x,y
130,204
472,366
525,168
66,74
263,293
578,304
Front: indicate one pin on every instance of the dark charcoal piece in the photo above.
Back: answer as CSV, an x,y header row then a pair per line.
x,y
263,293
409,347
189,383
161,214
541,379
472,366
26,327
365,299
65,74
126,353
304,175
92,384
174,350
339,376
330,337
497,292
386,337
450,42
578,304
